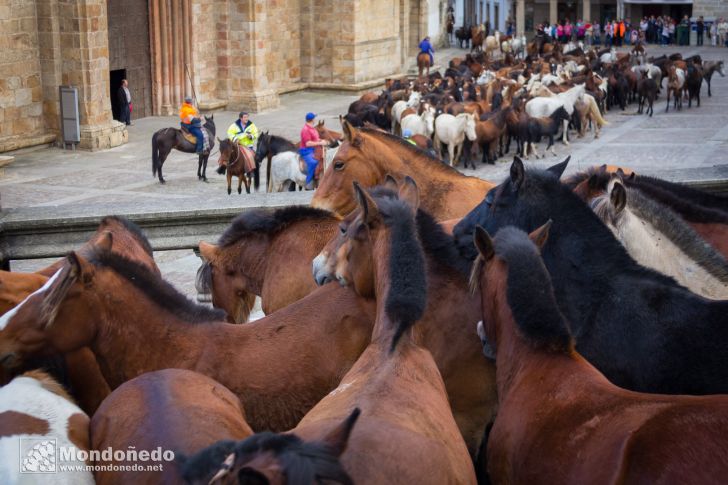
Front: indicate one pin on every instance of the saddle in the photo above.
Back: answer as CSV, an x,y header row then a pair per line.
x,y
188,136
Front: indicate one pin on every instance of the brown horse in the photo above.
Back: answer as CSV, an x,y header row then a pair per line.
x,y
443,328
172,409
238,162
423,63
559,419
167,139
333,137
267,254
368,156
110,303
15,287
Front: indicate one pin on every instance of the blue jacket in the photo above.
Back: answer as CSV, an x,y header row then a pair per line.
x,y
425,46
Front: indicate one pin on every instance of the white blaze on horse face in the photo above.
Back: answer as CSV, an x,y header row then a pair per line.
x,y
5,319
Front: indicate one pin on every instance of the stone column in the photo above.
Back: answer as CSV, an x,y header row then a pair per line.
x,y
521,17
586,11
553,12
85,53
491,14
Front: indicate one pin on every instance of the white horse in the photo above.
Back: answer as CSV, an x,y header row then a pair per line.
x,y
518,45
658,238
423,124
543,106
492,44
400,106
285,167
46,419
610,56
452,130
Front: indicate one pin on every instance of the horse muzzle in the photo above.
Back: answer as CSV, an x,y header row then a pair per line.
x,y
318,267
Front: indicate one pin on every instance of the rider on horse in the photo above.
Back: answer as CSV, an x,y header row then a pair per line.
x,y
309,140
190,121
426,47
243,131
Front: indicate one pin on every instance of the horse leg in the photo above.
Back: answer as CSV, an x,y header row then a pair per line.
x,y
229,177
204,167
452,151
551,146
566,132
240,184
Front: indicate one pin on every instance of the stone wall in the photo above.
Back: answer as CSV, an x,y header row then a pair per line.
x,y
710,8
21,93
282,40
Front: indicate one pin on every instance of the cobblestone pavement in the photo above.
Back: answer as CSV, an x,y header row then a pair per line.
x,y
691,144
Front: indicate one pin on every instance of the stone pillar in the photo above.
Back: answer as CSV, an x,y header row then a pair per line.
x,y
586,11
85,53
553,12
491,13
521,17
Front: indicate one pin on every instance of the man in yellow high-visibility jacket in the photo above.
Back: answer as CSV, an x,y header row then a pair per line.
x,y
243,131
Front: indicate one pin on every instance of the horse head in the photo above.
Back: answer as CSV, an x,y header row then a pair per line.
x,y
261,150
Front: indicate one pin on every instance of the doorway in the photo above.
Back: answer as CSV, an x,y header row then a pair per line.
x,y
115,78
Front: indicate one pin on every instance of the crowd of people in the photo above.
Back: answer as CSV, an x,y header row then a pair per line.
x,y
662,30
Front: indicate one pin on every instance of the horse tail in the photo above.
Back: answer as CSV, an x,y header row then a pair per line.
x,y
594,111
256,176
155,154
269,182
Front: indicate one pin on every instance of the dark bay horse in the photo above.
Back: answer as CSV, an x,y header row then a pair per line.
x,y
640,328
443,329
559,419
164,140
238,162
268,147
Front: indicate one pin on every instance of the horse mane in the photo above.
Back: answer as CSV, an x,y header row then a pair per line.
x,y
285,141
156,288
301,461
672,226
265,222
414,150
407,297
133,229
530,294
692,198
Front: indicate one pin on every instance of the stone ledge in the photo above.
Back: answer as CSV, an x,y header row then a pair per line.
x,y
213,105
17,142
6,160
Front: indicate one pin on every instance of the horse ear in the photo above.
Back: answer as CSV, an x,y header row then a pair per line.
x,y
349,130
618,197
338,438
518,173
559,168
218,139
483,242
66,277
367,204
541,235
208,251
104,242
409,193
391,183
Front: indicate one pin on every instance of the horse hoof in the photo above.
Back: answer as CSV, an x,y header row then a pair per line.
x,y
204,179
240,191
230,191
162,181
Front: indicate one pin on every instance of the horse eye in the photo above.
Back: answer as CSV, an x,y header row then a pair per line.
x,y
342,228
339,165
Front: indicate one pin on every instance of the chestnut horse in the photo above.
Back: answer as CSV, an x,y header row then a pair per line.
x,y
559,419
265,254
368,155
442,329
15,287
423,63
651,335
108,303
240,162
178,410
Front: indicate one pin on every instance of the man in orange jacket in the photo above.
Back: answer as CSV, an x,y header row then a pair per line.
x,y
190,119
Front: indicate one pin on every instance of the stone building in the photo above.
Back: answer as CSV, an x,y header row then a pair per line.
x,y
234,54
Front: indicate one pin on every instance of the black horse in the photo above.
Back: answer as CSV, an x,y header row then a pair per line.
x,y
164,140
268,147
640,328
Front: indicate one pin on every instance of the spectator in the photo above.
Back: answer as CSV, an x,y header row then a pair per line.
x,y
714,33
608,34
671,29
588,33
722,32
580,30
123,97
700,28
597,32
560,33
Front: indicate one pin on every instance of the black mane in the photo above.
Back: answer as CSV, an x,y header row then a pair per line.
x,y
157,289
265,222
530,293
694,205
133,229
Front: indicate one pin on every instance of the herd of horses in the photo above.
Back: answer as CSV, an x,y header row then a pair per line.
x,y
422,326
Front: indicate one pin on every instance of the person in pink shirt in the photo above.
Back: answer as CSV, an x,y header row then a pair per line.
x,y
309,141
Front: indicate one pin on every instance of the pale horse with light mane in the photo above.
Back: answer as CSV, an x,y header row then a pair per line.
x,y
38,411
542,106
399,107
491,44
423,124
452,130
658,238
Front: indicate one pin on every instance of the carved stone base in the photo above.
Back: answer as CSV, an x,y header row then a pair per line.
x,y
104,136
255,102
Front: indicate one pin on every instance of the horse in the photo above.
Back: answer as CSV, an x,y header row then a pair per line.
x,y
267,254
559,419
462,34
368,155
539,107
658,238
489,132
240,162
440,327
35,409
675,85
395,382
693,82
284,164
422,124
15,287
647,92
319,337
451,131
492,44
663,338
164,140
175,409
423,63
588,112
534,129
710,67
398,108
